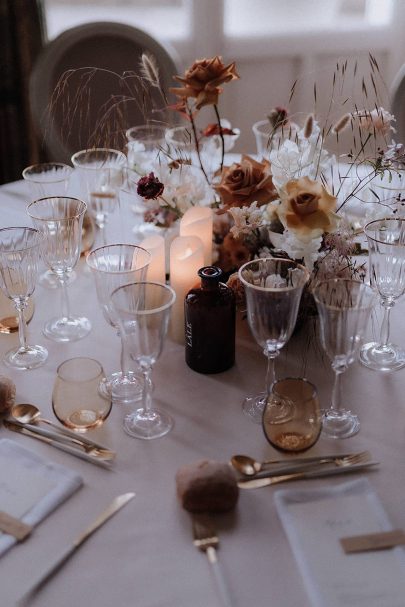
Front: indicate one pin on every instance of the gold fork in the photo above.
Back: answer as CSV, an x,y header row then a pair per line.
x,y
206,540
347,460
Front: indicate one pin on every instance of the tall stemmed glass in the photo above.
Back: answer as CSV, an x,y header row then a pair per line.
x,y
273,290
113,266
386,245
102,173
143,310
20,252
344,308
60,219
48,179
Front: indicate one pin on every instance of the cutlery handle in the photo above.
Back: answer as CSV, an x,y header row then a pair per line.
x,y
33,433
219,578
47,574
74,435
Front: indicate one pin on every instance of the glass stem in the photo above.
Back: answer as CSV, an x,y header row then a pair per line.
x,y
22,325
385,326
65,297
337,391
147,390
271,369
123,357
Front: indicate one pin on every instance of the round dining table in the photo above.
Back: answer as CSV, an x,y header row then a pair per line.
x,y
144,556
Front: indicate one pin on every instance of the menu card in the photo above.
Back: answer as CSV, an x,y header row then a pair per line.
x,y
30,487
315,520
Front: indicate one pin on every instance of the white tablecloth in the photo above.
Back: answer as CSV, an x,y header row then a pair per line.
x,y
144,556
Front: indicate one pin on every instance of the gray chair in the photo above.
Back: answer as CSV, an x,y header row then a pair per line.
x,y
398,104
79,115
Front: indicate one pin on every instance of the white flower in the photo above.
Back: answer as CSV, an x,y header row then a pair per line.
x,y
308,250
303,157
245,219
139,159
185,187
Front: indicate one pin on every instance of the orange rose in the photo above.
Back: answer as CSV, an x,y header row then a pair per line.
x,y
245,182
307,208
203,79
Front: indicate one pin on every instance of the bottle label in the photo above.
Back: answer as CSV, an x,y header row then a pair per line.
x,y
189,334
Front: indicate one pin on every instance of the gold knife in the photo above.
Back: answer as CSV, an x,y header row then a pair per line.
x,y
116,505
256,483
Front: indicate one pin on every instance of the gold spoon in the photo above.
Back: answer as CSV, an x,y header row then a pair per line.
x,y
30,414
249,467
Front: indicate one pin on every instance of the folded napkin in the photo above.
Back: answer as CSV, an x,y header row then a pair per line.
x,y
30,487
315,520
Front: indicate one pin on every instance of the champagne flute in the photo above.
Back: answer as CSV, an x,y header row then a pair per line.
x,y
60,219
344,307
386,243
273,290
143,310
114,266
20,251
102,173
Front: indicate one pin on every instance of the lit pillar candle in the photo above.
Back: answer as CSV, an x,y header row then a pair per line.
x,y
186,258
197,221
157,266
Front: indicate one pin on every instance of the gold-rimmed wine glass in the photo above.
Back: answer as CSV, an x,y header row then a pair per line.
x,y
20,252
143,310
344,307
386,245
114,266
60,219
273,289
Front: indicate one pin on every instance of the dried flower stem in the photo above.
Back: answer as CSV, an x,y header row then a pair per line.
x,y
221,135
196,143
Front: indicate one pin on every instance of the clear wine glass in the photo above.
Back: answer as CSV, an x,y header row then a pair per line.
x,y
20,252
113,266
273,289
60,219
344,308
101,171
48,179
143,310
386,244
145,144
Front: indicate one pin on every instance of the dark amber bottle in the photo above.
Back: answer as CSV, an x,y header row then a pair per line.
x,y
209,312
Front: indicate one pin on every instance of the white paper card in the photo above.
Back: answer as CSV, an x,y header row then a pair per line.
x,y
315,520
30,487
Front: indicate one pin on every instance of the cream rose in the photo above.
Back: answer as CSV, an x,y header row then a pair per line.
x,y
307,209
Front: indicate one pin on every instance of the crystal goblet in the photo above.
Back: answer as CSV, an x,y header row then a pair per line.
x,y
48,179
143,310
114,266
386,243
145,143
20,252
101,171
273,289
60,219
344,308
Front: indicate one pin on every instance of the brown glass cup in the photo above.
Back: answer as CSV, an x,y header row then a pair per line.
x,y
292,419
76,400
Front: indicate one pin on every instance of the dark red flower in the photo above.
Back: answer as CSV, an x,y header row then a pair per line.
x,y
149,187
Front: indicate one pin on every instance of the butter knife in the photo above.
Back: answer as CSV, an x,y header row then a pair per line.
x,y
256,483
118,502
61,446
